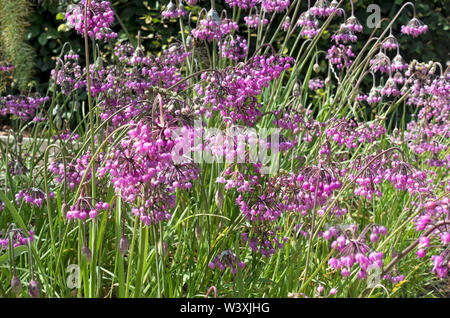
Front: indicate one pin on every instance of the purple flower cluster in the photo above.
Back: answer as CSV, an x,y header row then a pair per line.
x,y
24,107
226,259
33,196
18,239
234,92
235,48
172,12
315,84
354,250
243,4
341,55
214,28
142,169
415,27
275,5
322,8
99,18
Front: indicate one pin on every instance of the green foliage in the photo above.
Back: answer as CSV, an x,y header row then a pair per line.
x,y
13,25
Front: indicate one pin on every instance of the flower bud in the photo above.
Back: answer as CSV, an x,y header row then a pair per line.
x,y
296,90
124,245
86,252
219,199
316,68
33,289
16,285
198,232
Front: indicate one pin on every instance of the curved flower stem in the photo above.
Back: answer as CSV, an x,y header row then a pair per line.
x,y
411,247
323,218
212,288
308,255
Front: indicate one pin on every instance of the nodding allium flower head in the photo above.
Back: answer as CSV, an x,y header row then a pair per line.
x,y
344,35
415,27
309,32
354,249
341,55
374,96
322,8
69,73
306,19
390,43
286,24
226,259
315,84
264,240
83,209
243,4
33,196
213,28
398,78
398,63
172,12
353,24
390,88
252,21
235,48
146,170
99,18
381,63
19,237
275,5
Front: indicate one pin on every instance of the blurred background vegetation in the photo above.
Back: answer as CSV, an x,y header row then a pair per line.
x,y
32,32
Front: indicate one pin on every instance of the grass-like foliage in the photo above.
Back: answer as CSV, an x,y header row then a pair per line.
x,y
242,157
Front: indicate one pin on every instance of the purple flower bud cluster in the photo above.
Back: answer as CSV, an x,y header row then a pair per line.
x,y
99,18
69,73
350,134
390,43
226,259
344,35
390,88
72,173
381,63
83,209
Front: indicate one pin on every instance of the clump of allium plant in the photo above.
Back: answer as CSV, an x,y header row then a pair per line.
x,y
244,145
